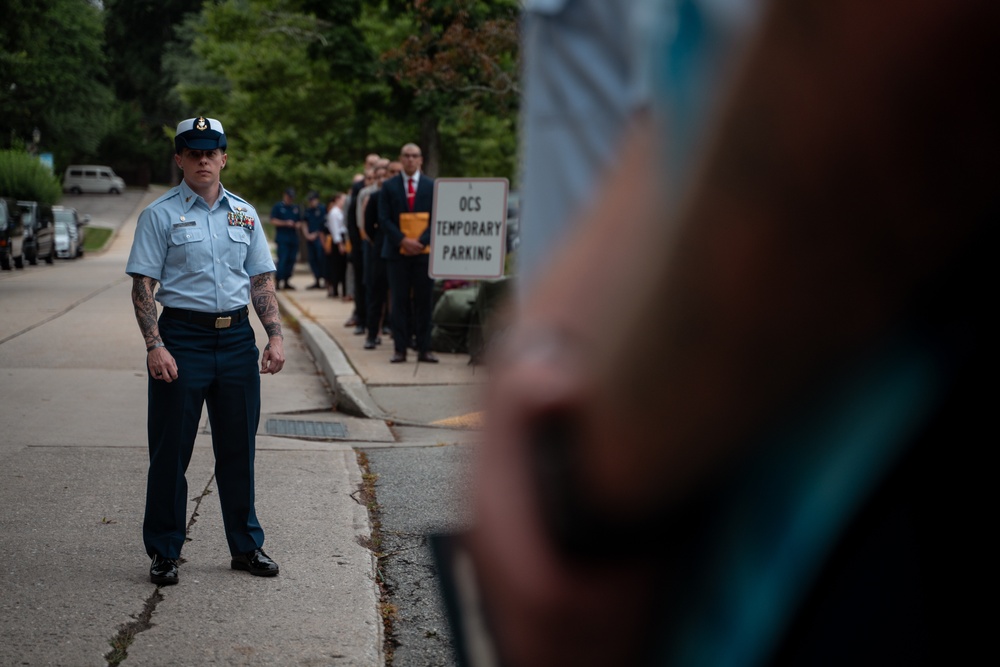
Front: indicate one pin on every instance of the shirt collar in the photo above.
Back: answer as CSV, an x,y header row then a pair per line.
x,y
189,197
415,177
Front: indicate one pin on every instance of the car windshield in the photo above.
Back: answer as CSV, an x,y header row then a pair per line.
x,y
64,216
62,225
26,216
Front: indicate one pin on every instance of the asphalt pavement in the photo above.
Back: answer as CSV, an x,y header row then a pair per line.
x,y
73,576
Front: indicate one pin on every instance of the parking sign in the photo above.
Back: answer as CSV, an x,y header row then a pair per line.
x,y
468,228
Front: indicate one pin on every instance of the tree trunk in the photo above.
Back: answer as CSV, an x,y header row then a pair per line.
x,y
430,144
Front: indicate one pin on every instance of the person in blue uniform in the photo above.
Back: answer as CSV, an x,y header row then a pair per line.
x,y
286,216
205,248
315,224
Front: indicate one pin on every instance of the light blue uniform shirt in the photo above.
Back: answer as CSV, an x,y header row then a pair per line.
x,y
203,258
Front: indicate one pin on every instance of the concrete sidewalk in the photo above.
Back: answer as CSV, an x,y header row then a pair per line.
x,y
73,458
366,384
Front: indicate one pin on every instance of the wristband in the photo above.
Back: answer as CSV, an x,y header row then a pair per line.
x,y
153,347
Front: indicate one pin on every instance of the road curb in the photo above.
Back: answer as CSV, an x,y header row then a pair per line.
x,y
350,392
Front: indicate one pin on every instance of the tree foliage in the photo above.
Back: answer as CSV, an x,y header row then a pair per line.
x,y
24,177
53,77
141,35
456,66
305,88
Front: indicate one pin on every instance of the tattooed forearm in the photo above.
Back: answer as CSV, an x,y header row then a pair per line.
x,y
145,308
265,303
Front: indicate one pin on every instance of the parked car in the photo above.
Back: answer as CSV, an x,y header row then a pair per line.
x,y
39,232
11,235
69,231
80,178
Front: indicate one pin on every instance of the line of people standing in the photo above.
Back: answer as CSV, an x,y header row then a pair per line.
x,y
381,231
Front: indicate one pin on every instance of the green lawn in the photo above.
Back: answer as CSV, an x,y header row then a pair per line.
x,y
95,238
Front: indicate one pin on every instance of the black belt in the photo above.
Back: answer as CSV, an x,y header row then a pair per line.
x,y
212,320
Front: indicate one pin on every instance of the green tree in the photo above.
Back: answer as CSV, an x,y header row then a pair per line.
x,y
456,73
53,77
284,114
141,36
306,88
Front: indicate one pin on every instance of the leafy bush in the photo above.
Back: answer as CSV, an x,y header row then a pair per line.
x,y
24,177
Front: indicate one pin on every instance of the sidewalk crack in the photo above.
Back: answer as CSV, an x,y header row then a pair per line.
x,y
128,631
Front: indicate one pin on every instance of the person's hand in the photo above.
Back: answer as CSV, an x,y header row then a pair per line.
x,y
545,606
411,247
273,359
161,364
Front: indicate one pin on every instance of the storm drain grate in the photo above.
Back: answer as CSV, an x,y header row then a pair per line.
x,y
306,429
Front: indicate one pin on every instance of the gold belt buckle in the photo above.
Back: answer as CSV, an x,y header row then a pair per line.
x,y
223,322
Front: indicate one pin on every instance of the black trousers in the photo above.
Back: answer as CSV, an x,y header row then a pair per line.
x,y
336,272
358,267
412,292
377,282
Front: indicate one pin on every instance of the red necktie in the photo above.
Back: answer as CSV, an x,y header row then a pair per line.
x,y
411,193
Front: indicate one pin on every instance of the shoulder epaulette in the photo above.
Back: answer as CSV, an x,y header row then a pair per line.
x,y
169,194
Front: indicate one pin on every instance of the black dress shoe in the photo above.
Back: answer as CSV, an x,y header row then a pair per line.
x,y
351,321
427,358
398,358
255,562
163,571
371,344
359,330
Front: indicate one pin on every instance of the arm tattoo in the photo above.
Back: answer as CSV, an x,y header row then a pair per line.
x,y
265,303
145,308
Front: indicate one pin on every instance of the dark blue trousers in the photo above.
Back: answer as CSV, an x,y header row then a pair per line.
x,y
216,368
288,252
317,259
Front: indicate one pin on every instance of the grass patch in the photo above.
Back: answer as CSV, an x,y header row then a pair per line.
x,y
96,238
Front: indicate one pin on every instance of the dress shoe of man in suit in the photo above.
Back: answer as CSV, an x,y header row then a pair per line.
x,y
256,562
398,358
372,343
427,358
163,571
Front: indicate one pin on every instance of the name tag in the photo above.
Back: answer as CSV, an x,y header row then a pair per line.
x,y
189,223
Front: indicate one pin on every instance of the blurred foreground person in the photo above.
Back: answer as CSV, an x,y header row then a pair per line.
x,y
756,437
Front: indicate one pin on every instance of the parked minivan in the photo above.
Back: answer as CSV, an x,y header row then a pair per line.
x,y
81,178
11,234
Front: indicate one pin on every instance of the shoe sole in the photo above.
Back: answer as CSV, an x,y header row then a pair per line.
x,y
163,581
236,565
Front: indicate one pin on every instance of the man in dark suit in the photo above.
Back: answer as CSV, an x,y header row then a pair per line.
x,y
404,209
